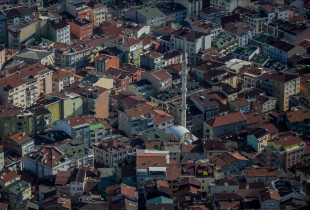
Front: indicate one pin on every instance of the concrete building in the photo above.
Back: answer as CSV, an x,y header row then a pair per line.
x,y
240,30
227,4
17,33
97,13
142,88
14,89
59,31
195,41
174,12
94,98
255,18
135,31
269,199
159,79
104,61
297,122
225,44
193,6
62,79
151,16
264,104
284,151
132,48
18,142
76,127
82,28
76,54
279,50
78,10
36,56
109,152
221,125
153,60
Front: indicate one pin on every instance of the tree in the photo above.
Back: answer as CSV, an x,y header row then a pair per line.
x,y
156,146
162,147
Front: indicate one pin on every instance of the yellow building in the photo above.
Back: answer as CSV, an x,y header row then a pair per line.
x,y
231,79
99,80
97,13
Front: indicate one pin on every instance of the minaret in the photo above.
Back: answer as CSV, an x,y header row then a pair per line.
x,y
184,89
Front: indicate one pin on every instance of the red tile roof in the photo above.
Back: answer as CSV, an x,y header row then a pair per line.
x,y
231,118
287,140
7,175
144,161
269,195
161,74
260,172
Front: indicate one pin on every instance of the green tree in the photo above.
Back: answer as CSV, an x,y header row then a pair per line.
x,y
156,146
162,147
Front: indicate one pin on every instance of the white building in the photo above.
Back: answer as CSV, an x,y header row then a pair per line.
x,y
228,5
193,6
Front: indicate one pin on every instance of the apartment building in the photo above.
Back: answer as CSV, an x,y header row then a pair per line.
x,y
42,117
228,5
297,121
76,54
109,152
279,50
78,10
153,60
121,78
194,41
150,16
17,33
193,6
225,44
264,104
82,28
133,121
50,160
260,174
135,31
62,79
292,32
159,79
173,57
220,125
25,86
174,12
98,12
150,166
18,142
284,151
104,61
142,88
275,12
240,30
58,31
132,48
255,18
208,27
94,98
17,191
35,56
76,127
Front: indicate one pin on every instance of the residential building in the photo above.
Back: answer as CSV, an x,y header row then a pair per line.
x,y
18,142
213,70
35,42
2,57
255,18
269,199
150,166
14,119
51,159
194,42
17,33
292,32
240,105
174,12
173,57
104,61
206,104
230,163
76,54
289,189
36,56
82,28
212,13
132,48
15,192
228,5
225,44
78,10
223,186
62,79
150,16
227,90
159,79
94,98
133,121
153,60
245,53
274,12
71,104
142,88
45,184
192,152
24,88
98,12
221,125
99,129
260,174
279,50
154,137
135,31
76,127
297,122
108,152
264,104
193,7
284,151
213,148
8,177
59,31
208,27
